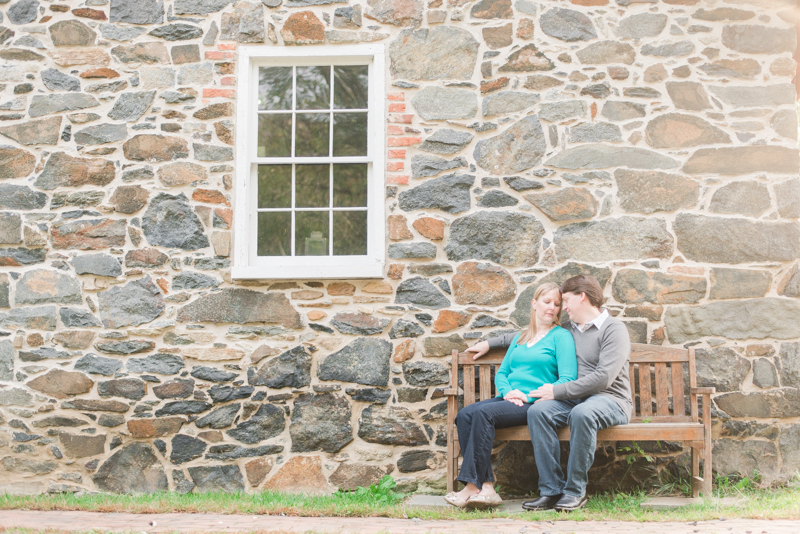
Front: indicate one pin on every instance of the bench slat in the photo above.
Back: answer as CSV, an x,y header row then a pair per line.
x,y
643,350
469,385
493,357
662,390
485,381
678,398
632,431
645,397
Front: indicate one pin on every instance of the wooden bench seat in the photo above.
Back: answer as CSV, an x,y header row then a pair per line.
x,y
659,392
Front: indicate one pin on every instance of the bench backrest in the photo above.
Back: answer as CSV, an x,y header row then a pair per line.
x,y
658,378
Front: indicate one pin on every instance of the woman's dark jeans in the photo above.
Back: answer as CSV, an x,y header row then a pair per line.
x,y
476,425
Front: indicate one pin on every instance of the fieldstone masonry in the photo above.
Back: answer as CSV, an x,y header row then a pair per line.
x,y
652,144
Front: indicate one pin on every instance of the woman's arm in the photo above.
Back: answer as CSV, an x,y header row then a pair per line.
x,y
501,376
483,347
566,360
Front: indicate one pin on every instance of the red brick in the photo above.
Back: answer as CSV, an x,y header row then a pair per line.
x,y
397,96
221,93
394,179
394,130
404,141
395,166
401,119
216,54
397,108
397,153
228,80
227,46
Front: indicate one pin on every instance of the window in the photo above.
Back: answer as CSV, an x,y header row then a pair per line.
x,y
309,162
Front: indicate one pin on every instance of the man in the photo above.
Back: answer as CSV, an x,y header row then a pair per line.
x,y
598,399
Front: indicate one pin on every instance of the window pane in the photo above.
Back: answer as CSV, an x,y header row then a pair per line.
x,y
274,88
350,134
350,185
312,135
275,135
274,186
349,233
312,186
274,233
311,234
350,89
313,87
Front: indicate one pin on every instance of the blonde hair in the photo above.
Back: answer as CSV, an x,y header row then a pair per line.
x,y
530,332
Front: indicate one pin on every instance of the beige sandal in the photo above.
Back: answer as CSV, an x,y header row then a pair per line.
x,y
455,500
484,502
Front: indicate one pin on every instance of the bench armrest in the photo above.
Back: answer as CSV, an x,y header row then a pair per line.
x,y
703,391
450,392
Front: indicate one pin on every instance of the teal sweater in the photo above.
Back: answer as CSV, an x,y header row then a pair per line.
x,y
550,361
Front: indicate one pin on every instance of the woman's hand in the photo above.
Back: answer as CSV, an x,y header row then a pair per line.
x,y
479,349
543,393
516,396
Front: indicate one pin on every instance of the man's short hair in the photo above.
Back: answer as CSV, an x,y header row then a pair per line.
x,y
585,283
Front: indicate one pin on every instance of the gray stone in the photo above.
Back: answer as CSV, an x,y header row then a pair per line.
x,y
742,458
496,199
358,324
742,319
15,397
517,183
241,306
398,251
320,422
161,363
200,7
18,163
44,287
442,103
423,374
767,95
191,280
42,354
641,92
40,318
681,48
676,130
10,228
55,80
212,153
652,191
743,160
441,53
423,166
390,425
39,132
269,421
565,204
420,292
183,408
598,156
120,33
738,283
244,25
784,402
62,169
72,33
128,388
784,122
220,418
170,222
595,132
622,111
133,469
735,240
130,107
135,303
228,451
506,238
506,102
752,39
527,59
220,478
6,360
764,373
176,389
788,444
563,110
518,148
635,286
430,269
23,465
220,394
492,9
614,239
199,74
688,95
641,26
56,103
97,365
449,193
58,421
442,347
745,198
446,141
126,347
607,52
290,369
186,448
177,32
347,17
141,12
789,285
23,12
364,361
101,134
405,329
733,68
789,364
567,25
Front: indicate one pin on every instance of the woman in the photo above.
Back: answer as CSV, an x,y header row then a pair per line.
x,y
544,353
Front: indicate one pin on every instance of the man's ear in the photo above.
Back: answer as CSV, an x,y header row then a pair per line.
x,y
583,298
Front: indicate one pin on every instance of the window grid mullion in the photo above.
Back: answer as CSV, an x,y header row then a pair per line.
x,y
293,205
330,168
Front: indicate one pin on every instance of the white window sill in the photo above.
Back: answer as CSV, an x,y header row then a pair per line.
x,y
348,272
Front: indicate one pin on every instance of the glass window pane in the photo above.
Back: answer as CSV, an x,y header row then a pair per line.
x,y
312,186
311,234
274,233
350,86
349,233
350,134
313,87
274,88
274,186
350,185
275,135
312,136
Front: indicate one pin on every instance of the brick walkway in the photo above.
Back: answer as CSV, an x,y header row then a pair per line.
x,y
142,523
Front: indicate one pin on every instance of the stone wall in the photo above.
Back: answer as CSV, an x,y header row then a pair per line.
x,y
652,144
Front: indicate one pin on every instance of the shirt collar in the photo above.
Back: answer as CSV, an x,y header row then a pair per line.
x,y
597,321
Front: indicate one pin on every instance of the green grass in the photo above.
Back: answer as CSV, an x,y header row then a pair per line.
x,y
380,501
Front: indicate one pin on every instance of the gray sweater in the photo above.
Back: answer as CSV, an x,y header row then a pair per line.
x,y
603,357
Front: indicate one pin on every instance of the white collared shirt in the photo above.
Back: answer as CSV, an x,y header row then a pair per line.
x,y
597,321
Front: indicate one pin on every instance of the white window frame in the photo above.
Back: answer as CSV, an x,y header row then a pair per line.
x,y
246,263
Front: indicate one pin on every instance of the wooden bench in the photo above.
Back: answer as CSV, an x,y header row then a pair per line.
x,y
659,405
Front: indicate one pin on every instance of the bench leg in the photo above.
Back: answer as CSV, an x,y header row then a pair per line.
x,y
696,480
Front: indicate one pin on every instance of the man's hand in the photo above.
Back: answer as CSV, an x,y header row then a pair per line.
x,y
516,396
479,349
543,393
